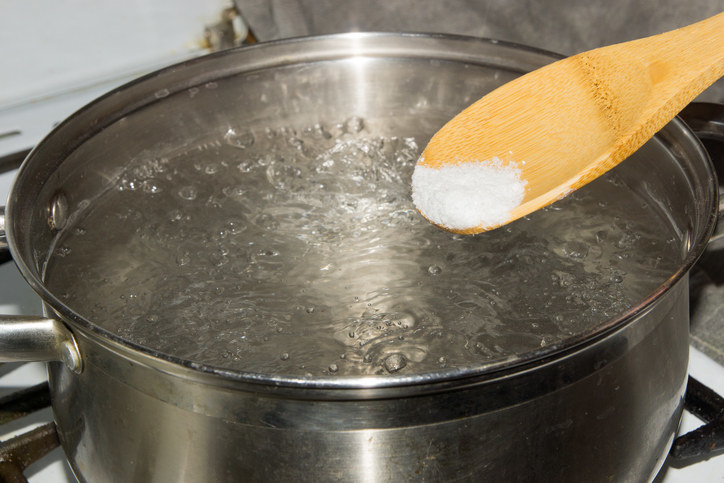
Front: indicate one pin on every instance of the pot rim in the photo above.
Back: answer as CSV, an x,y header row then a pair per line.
x,y
172,364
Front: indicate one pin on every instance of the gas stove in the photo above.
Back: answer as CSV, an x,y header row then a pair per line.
x,y
29,112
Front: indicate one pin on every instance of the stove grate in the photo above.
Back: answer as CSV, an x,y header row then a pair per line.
x,y
18,453
707,440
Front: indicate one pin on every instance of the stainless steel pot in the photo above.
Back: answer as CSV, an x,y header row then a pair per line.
x,y
604,406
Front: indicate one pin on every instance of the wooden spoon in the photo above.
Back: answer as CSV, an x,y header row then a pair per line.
x,y
569,122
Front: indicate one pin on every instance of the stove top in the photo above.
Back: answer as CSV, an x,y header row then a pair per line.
x,y
22,124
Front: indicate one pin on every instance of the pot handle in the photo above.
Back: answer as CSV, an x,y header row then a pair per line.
x,y
33,338
28,339
706,120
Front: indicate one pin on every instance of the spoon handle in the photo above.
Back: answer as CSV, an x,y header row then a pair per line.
x,y
640,85
675,67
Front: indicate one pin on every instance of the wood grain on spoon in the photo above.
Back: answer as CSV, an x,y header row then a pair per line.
x,y
571,121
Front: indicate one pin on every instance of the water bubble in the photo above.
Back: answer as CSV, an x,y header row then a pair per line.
x,y
434,269
296,142
318,131
267,252
175,215
628,239
234,192
151,186
354,125
394,362
160,94
128,184
284,356
183,259
575,249
188,193
246,166
333,368
285,175
234,227
309,310
241,140
63,251
267,222
219,256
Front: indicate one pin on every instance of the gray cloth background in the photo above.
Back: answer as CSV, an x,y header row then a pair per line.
x,y
562,26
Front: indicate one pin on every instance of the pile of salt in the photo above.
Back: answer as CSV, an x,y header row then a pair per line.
x,y
468,195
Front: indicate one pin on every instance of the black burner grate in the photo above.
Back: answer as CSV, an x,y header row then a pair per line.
x,y
707,440
18,453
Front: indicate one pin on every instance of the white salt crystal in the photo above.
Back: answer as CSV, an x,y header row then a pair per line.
x,y
468,195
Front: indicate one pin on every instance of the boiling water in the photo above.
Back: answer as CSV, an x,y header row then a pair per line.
x,y
299,253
